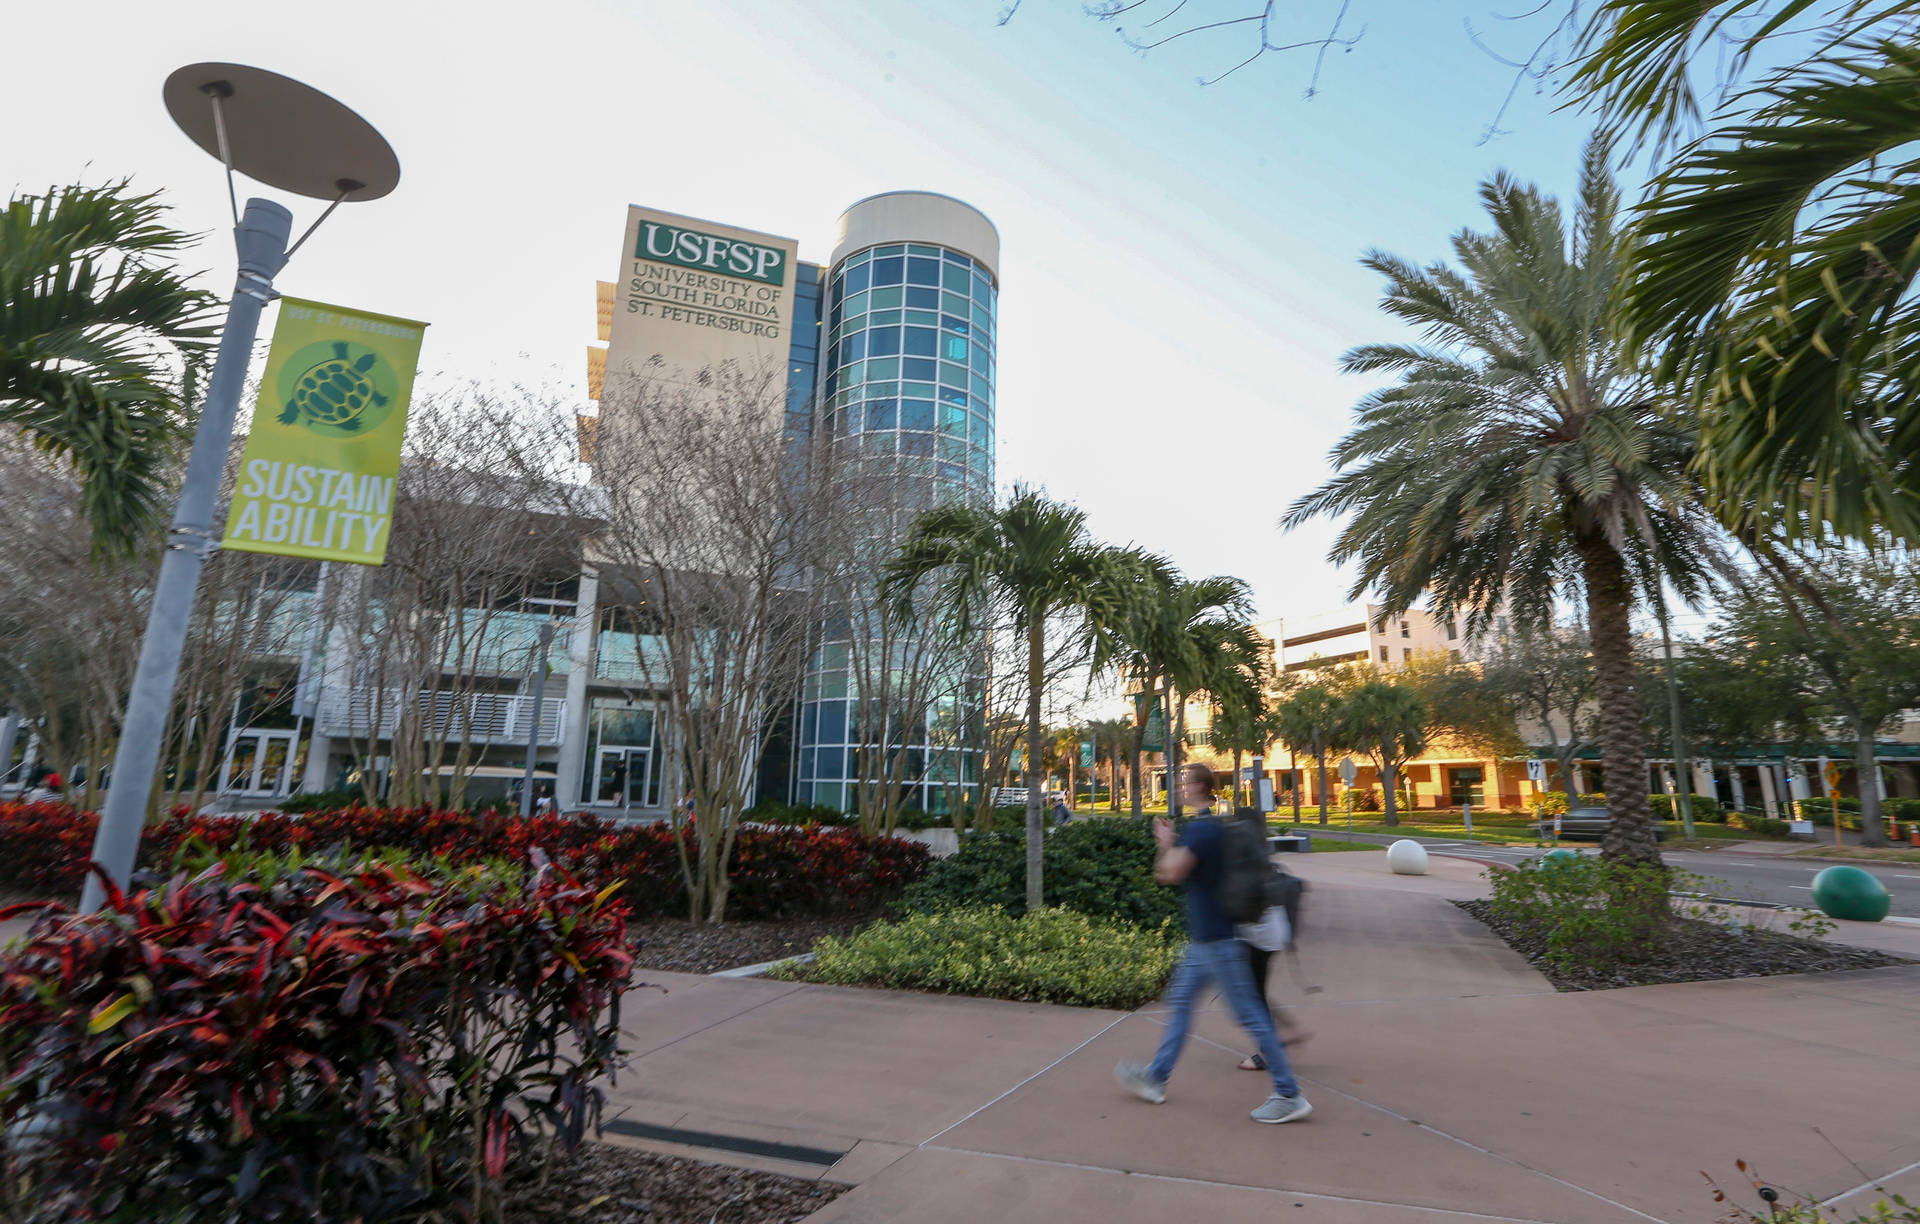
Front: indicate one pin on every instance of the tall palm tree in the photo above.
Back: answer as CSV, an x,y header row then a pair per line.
x,y
1034,559
1111,737
1521,455
1232,670
1779,263
1161,640
102,342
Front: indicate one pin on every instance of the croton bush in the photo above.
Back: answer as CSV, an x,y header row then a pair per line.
x,y
775,872
372,1044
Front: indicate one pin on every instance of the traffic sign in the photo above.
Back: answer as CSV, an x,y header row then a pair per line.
x,y
1537,771
1348,770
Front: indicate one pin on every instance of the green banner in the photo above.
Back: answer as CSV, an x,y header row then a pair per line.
x,y
323,453
1150,711
1086,754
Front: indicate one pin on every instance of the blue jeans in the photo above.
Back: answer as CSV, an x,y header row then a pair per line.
x,y
1222,961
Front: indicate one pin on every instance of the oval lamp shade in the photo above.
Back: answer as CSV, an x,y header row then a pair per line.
x,y
283,133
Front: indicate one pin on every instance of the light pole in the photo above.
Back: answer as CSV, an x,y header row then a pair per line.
x,y
293,137
539,697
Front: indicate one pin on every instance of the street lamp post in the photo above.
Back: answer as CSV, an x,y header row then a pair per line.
x,y
293,137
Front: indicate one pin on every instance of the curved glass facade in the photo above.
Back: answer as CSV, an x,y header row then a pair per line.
x,y
907,372
909,361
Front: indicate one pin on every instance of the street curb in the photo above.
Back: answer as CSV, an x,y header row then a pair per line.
x,y
747,971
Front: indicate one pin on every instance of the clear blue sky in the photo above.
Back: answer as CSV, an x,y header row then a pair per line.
x,y
1179,262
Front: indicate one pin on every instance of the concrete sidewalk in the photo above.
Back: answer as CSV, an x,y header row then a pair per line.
x,y
1449,1082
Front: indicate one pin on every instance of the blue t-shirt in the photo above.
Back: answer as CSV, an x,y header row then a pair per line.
x,y
1206,920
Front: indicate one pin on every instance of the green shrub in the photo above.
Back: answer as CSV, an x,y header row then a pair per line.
x,y
1103,868
1705,807
1013,819
1901,810
1765,826
1588,913
1555,802
1049,956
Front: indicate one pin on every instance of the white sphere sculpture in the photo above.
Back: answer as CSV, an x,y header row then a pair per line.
x,y
1407,857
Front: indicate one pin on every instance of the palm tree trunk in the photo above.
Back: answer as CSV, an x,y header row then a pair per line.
x,y
1629,836
1867,773
1176,733
1293,775
1236,776
1320,754
1036,668
1388,775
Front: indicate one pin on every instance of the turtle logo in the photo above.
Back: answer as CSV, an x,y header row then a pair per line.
x,y
336,388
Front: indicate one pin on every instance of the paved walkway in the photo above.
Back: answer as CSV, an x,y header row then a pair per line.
x,y
1450,1082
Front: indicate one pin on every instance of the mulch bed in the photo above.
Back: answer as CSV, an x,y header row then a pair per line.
x,y
1696,952
619,1185
676,945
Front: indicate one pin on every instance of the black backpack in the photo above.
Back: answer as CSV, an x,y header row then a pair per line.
x,y
1249,882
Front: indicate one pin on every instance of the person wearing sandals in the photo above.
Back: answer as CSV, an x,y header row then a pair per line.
x,y
1259,960
1215,956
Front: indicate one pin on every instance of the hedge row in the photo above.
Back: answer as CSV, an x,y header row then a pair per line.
x,y
775,873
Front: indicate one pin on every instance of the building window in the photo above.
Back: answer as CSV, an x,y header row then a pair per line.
x,y
1452,636
1406,631
1383,654
1406,652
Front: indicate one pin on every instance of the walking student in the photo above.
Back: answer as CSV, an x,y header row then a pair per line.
x,y
1259,961
1214,957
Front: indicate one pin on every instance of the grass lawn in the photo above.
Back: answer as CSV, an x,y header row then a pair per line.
x,y
1882,854
1483,831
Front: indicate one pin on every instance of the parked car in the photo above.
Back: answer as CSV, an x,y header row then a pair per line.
x,y
1589,822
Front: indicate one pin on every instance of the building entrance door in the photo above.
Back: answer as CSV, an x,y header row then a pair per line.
x,y
621,777
258,764
1467,784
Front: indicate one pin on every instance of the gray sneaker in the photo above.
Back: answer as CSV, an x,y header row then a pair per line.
x,y
1138,1079
1279,1109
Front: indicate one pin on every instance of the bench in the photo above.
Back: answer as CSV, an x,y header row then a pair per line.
x,y
1290,843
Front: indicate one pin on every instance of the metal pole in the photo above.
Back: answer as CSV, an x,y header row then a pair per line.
x,y
539,695
261,240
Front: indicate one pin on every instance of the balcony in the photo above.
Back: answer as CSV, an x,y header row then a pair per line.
x,y
474,718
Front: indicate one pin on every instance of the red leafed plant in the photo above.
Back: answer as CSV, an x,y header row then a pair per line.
x,y
364,1045
775,873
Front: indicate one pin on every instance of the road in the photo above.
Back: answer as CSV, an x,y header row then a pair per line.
x,y
1748,877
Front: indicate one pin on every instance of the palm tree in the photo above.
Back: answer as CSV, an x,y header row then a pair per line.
x,y
101,344
1303,719
1389,724
1778,267
1521,455
1034,558
1233,665
1110,738
1167,626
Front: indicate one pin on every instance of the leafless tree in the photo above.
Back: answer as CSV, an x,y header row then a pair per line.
x,y
71,631
438,640
717,528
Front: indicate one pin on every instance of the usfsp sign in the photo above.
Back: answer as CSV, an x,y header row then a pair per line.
x,y
717,253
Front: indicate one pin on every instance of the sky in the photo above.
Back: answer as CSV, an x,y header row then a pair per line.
x,y
1179,261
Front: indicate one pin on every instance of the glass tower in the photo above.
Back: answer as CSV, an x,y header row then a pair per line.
x,y
906,377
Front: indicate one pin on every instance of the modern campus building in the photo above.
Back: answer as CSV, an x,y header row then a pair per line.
x,y
890,341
